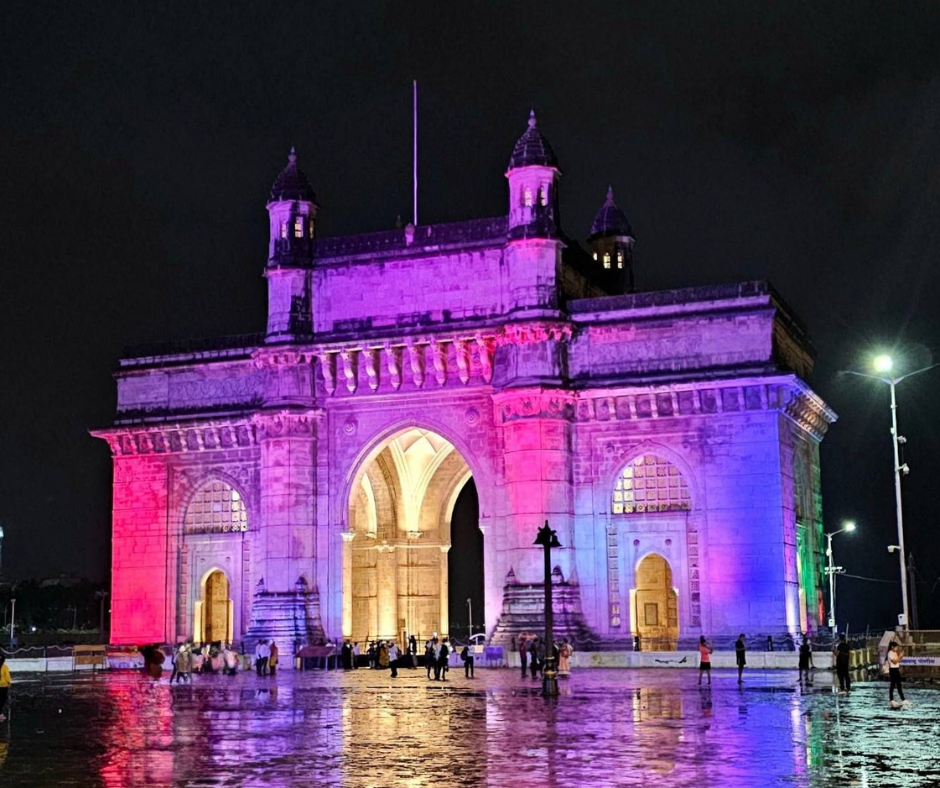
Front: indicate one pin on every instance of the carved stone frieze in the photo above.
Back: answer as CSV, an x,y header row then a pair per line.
x,y
286,423
534,332
439,360
462,353
350,369
535,403
393,360
328,368
370,357
416,360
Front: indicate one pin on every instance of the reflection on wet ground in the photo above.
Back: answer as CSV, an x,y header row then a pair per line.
x,y
364,729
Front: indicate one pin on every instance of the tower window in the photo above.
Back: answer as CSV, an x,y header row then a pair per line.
x,y
606,260
527,197
595,255
543,195
284,230
298,227
619,259
310,226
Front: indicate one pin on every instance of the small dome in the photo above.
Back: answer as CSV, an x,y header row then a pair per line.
x,y
610,220
292,184
532,149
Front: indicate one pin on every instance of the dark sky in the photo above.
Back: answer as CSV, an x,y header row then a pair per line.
x,y
791,141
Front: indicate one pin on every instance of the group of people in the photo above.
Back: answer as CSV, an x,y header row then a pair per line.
x,y
266,658
533,653
705,650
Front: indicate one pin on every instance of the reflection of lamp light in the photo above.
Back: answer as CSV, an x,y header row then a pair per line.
x,y
548,539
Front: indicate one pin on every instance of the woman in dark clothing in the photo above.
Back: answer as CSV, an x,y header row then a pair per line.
x,y
842,665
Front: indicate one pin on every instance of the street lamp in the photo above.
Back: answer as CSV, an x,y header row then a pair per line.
x,y
470,619
548,539
882,365
832,571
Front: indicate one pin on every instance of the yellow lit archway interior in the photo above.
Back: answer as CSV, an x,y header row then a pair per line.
x,y
656,611
216,612
395,565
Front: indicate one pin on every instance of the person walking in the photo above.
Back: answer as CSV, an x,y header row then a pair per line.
x,y
843,655
523,653
393,660
805,661
229,660
273,654
5,683
740,656
184,664
894,674
704,660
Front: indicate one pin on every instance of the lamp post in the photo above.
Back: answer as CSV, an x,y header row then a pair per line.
x,y
12,617
469,619
882,366
832,571
548,539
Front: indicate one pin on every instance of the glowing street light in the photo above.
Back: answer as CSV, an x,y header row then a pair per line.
x,y
882,364
832,571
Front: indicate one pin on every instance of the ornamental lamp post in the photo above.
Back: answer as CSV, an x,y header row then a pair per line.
x,y
832,571
882,365
548,539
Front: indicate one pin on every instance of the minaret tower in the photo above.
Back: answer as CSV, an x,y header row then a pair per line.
x,y
611,241
293,211
534,249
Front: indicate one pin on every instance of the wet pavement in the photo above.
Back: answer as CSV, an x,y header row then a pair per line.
x,y
363,729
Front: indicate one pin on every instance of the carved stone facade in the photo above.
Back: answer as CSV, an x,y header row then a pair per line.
x,y
670,439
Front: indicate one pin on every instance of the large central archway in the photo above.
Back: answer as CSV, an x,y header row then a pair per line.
x,y
395,579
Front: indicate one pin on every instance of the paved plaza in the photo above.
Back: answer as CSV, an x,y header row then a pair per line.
x,y
364,729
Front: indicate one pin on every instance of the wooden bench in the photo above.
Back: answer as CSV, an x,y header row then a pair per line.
x,y
96,656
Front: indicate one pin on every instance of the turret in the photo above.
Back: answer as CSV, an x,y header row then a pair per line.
x,y
292,208
533,176
611,241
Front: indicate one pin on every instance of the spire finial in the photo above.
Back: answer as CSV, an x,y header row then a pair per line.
x,y
532,121
610,195
292,156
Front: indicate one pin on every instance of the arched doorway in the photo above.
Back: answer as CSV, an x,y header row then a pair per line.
x,y
396,549
216,609
656,608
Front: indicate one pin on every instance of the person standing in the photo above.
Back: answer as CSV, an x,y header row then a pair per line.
x,y
5,683
346,655
523,653
805,661
273,654
843,654
184,664
230,660
704,660
537,656
430,660
467,655
564,654
740,656
393,660
261,657
894,672
355,655
442,660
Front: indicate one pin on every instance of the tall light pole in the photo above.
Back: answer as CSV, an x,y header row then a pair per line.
x,y
832,571
12,617
882,366
469,618
548,539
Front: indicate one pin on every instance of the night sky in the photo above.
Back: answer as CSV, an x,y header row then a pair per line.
x,y
796,142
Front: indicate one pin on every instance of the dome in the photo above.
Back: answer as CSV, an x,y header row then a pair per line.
x,y
610,220
532,149
292,184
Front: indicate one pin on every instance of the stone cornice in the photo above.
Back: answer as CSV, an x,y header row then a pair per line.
x,y
286,423
786,394
180,438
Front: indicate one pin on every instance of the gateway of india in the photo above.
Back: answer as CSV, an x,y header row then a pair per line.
x,y
299,484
